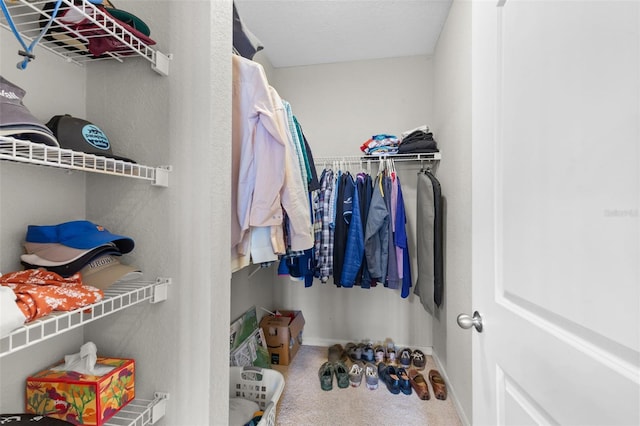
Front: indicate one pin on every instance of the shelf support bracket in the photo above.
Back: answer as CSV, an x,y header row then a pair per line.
x,y
161,290
159,406
162,176
161,63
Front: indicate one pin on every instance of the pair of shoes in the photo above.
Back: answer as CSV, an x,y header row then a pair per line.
x,y
438,385
404,383
371,376
355,373
389,377
405,358
418,359
328,370
419,384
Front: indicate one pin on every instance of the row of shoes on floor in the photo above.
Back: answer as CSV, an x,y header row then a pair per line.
x,y
399,371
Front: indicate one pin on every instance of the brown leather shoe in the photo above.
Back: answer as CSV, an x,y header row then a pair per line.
x,y
438,385
419,384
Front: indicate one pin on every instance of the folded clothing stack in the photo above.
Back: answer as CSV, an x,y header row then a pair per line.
x,y
381,144
79,246
418,140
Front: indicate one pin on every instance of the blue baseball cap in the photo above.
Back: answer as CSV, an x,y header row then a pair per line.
x,y
80,234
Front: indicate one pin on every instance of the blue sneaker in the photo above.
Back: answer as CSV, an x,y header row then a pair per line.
x,y
367,353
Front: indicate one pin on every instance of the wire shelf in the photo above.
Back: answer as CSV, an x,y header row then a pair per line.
x,y
119,296
36,153
29,16
140,412
367,162
427,156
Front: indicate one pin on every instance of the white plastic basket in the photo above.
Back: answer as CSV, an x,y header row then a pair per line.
x,y
261,385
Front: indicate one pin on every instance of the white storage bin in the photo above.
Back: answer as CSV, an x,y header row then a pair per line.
x,y
261,385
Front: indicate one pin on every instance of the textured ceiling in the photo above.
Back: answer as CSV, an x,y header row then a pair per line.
x,y
308,32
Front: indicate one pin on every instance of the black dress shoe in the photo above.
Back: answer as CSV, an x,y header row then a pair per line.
x,y
389,375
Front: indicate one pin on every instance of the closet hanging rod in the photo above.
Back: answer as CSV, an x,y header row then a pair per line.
x,y
395,157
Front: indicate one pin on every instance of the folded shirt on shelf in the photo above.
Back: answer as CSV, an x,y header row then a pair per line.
x,y
418,141
380,144
39,292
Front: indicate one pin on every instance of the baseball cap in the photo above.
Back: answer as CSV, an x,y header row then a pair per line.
x,y
17,121
68,269
130,19
99,40
80,234
81,135
37,259
104,271
54,252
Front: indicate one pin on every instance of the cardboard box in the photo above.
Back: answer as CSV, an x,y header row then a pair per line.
x,y
81,398
283,335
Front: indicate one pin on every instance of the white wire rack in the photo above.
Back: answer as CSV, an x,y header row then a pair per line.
x,y
368,161
29,16
37,153
140,412
119,296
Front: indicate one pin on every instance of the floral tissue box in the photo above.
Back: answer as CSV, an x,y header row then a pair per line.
x,y
82,399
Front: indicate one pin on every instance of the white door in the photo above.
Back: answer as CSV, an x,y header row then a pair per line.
x,y
556,183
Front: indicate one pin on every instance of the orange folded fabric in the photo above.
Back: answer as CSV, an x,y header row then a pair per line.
x,y
40,292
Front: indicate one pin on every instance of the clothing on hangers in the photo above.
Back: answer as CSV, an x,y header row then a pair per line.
x,y
402,245
377,234
429,283
324,245
245,43
264,179
437,241
354,251
364,187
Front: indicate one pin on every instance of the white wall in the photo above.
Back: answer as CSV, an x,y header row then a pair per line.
x,y
340,106
452,112
183,120
31,195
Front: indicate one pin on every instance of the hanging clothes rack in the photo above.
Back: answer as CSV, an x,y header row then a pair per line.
x,y
366,161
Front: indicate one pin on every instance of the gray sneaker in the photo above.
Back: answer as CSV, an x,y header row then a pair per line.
x,y
371,376
356,373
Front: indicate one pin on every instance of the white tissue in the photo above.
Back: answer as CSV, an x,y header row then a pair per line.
x,y
84,362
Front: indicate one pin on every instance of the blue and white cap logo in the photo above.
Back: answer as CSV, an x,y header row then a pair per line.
x,y
95,137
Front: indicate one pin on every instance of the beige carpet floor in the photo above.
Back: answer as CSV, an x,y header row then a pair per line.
x,y
304,403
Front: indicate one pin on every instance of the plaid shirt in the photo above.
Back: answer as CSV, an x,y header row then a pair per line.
x,y
324,238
